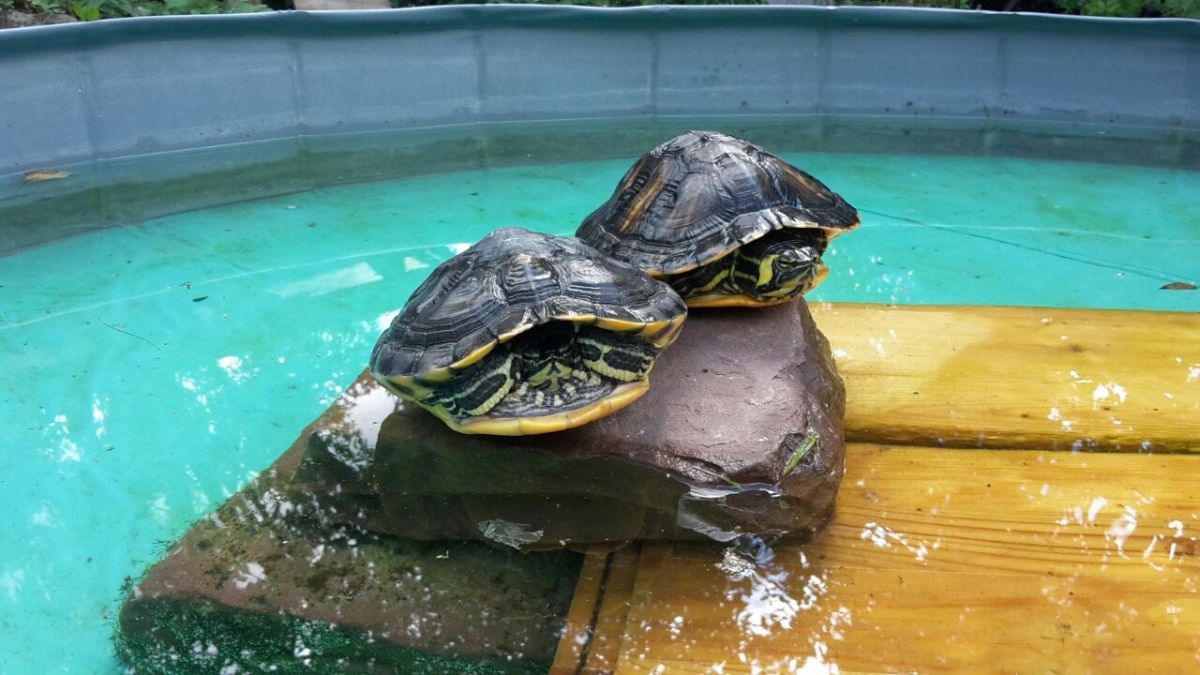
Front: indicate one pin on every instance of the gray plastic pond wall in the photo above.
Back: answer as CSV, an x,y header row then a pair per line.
x,y
270,89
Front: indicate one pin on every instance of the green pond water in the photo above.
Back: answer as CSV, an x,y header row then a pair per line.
x,y
151,370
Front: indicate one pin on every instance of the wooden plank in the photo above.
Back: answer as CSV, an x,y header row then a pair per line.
x,y
612,613
591,642
578,629
1013,377
946,560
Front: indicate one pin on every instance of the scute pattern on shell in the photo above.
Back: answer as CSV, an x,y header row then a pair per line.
x,y
702,194
510,281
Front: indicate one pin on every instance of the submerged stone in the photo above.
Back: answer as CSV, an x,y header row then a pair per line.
x,y
740,433
269,583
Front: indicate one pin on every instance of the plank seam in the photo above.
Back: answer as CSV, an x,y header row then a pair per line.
x,y
590,630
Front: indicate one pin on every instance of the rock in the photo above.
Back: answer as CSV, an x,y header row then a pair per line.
x,y
11,18
740,433
267,585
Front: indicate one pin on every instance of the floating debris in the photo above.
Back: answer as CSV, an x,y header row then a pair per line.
x,y
1177,286
39,175
504,532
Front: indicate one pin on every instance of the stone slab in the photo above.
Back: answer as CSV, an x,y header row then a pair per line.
x,y
267,584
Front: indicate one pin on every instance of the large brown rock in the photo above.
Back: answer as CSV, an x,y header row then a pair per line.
x,y
740,433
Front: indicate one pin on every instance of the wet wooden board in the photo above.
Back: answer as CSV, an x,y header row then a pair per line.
x,y
581,619
937,560
1013,377
595,625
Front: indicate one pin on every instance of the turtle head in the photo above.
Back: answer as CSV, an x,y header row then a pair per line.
x,y
781,265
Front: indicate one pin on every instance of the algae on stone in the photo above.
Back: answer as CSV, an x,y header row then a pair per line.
x,y
269,583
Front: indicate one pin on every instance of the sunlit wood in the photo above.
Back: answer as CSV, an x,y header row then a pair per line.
x,y
945,560
1018,376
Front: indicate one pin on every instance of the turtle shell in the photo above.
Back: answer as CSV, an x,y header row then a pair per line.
x,y
703,194
508,283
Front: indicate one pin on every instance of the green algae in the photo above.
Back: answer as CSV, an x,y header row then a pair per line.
x,y
180,637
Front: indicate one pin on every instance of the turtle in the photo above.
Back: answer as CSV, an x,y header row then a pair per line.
x,y
527,333
722,220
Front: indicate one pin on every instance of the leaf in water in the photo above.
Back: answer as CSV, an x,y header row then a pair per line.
x,y
39,175
810,440
1178,286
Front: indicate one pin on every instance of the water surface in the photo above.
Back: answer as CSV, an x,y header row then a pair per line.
x,y
153,368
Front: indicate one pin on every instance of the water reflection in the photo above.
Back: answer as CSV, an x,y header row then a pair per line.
x,y
766,599
338,280
883,536
1159,543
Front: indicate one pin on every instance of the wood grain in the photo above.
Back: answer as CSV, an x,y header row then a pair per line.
x,y
1013,377
944,560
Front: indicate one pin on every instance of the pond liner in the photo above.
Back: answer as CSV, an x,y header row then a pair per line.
x,y
147,114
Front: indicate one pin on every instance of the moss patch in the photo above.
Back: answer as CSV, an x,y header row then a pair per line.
x,y
178,637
